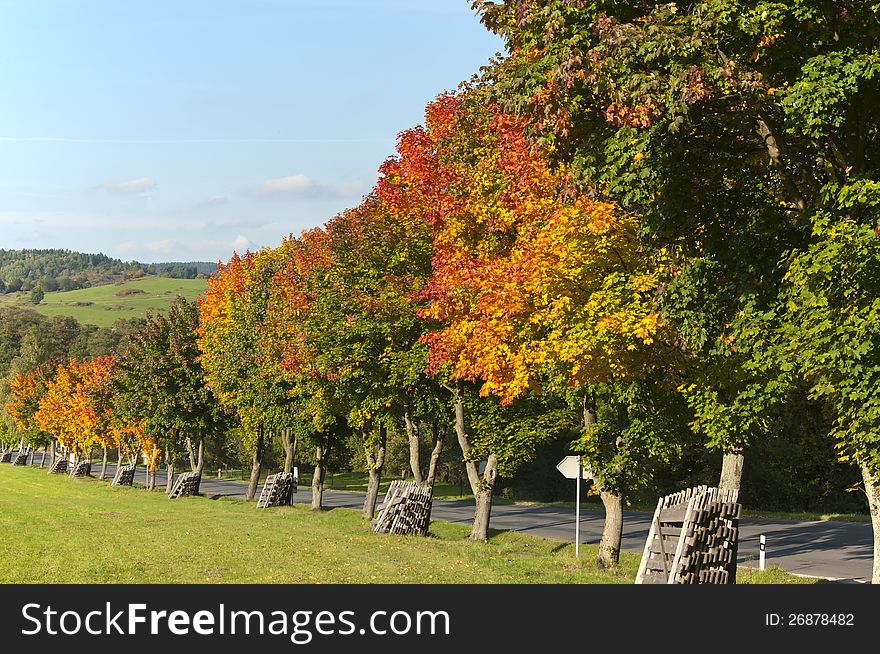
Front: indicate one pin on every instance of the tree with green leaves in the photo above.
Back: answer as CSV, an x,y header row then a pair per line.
x,y
735,114
231,314
362,331
160,383
832,336
313,405
37,294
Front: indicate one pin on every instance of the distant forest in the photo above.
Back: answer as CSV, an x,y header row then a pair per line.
x,y
63,270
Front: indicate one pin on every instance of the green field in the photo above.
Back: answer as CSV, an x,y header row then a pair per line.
x,y
59,530
104,305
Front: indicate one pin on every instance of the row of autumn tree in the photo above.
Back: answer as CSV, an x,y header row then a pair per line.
x,y
743,137
643,215
147,401
647,224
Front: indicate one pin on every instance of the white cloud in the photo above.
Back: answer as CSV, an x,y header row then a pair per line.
x,y
300,187
224,246
292,186
236,223
129,187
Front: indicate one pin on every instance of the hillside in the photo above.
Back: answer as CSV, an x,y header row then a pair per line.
x,y
64,270
103,305
21,270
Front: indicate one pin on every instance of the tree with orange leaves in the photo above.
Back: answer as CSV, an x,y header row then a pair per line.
x,y
25,392
232,317
287,353
360,331
534,287
74,409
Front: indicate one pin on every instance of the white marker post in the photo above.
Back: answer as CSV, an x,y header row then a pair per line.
x,y
571,468
577,513
761,553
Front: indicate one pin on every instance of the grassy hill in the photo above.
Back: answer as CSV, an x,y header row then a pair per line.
x,y
103,305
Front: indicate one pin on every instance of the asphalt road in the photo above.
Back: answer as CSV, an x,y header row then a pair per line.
x,y
834,550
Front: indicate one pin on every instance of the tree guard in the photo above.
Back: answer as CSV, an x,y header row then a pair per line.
x,y
278,490
6,457
406,510
81,469
21,458
693,538
187,484
124,476
59,467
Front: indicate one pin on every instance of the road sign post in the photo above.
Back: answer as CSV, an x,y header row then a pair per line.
x,y
572,468
577,513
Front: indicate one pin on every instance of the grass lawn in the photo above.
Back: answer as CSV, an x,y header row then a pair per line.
x,y
104,305
59,530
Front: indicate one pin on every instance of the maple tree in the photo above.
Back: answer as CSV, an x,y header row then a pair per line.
x,y
234,338
227,319
752,125
361,331
309,402
74,410
530,290
25,392
832,336
159,383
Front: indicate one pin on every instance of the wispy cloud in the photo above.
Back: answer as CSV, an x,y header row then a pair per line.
x,y
63,139
216,201
296,186
289,187
129,187
163,246
303,187
237,223
240,244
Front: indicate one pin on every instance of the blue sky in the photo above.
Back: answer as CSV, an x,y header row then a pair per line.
x,y
182,130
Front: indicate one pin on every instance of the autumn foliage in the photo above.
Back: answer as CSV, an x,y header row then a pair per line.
x,y
76,406
532,284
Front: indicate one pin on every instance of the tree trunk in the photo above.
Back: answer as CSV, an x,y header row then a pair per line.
x,y
288,450
612,531
52,453
482,513
731,470
104,465
192,454
256,465
169,467
439,434
375,460
412,434
483,485
612,501
318,478
872,490
200,460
